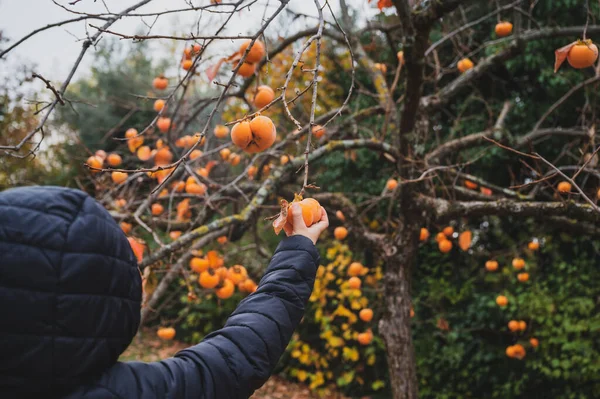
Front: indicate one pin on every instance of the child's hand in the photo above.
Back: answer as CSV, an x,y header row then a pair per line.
x,y
299,228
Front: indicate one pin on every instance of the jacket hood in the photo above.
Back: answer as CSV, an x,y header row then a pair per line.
x,y
70,290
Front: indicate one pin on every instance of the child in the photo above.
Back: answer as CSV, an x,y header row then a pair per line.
x,y
70,296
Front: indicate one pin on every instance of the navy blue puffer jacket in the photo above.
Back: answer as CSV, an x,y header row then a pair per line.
x,y
70,294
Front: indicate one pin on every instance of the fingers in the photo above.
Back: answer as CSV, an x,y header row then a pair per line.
x,y
322,224
297,216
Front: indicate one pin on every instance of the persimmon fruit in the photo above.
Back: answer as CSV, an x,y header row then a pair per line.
x,y
166,333
254,136
264,95
583,54
464,65
160,83
503,28
340,233
256,53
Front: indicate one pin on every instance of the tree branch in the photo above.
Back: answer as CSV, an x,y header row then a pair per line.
x,y
445,210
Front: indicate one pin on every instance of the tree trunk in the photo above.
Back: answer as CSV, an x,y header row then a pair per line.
x,y
395,325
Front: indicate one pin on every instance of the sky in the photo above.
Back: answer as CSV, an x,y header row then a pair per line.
x,y
52,53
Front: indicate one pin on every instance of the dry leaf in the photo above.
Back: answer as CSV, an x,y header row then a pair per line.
x,y
213,71
282,218
464,240
560,55
149,281
442,324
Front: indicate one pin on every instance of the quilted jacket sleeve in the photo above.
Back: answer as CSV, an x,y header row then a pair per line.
x,y
237,359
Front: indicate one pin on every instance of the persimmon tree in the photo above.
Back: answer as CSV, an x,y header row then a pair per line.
x,y
207,167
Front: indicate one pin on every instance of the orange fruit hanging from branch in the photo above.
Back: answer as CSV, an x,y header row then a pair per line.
x,y
166,333
264,95
254,136
464,65
160,83
256,53
503,29
580,54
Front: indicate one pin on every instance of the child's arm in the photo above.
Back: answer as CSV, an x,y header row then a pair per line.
x,y
237,359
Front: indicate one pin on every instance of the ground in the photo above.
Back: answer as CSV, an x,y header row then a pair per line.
x,y
148,348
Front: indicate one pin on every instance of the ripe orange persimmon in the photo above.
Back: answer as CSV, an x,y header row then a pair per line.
x,y
252,171
464,65
534,342
503,28
222,240
234,159
187,64
256,53
534,245
246,70
254,136
158,105
208,279
513,325
195,154
237,274
118,177
164,156
196,48
583,54
195,188
439,237
445,246
221,131
518,263
366,315
564,187
354,283
157,209
226,291
311,212
134,141
199,265
523,277
175,234
163,124
144,153
469,184
284,159
166,333
522,325
491,265
340,215
365,338
423,234
391,184
248,285
114,159
501,300
318,131
225,153
355,269
126,227
120,203
95,162
264,95
340,233
160,83
510,351
448,231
